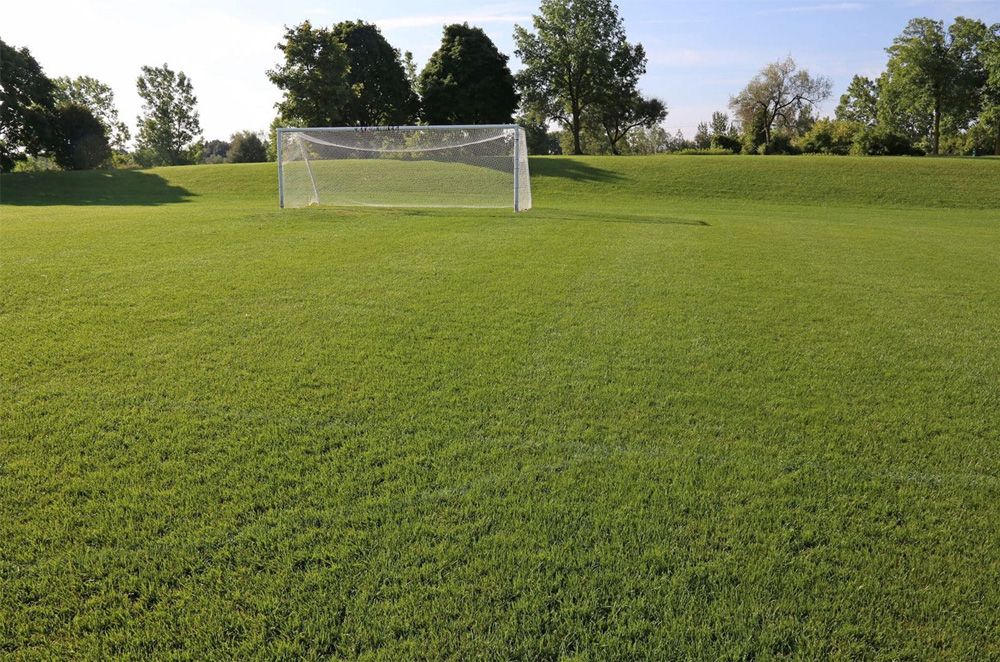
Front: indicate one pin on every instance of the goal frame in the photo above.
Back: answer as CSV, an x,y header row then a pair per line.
x,y
281,131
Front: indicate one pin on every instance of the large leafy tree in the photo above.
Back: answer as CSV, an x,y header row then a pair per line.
x,y
619,115
80,138
313,77
989,117
860,102
169,128
569,60
780,97
99,98
26,106
934,77
621,108
381,91
467,80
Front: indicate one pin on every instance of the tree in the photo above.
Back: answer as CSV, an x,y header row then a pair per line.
x,y
575,55
537,135
381,92
81,140
860,102
989,117
620,115
780,97
720,126
100,99
246,147
313,77
702,136
27,97
652,140
169,128
214,151
932,73
467,80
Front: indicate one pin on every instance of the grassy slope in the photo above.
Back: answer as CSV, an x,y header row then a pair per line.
x,y
705,407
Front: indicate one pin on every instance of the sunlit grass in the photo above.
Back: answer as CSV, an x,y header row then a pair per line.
x,y
707,408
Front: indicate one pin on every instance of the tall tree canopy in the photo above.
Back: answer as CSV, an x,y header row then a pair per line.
x,y
169,128
989,117
313,77
933,73
345,76
860,102
570,60
467,80
620,107
100,100
780,97
26,105
381,91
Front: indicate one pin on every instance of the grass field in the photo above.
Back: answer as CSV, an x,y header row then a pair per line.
x,y
687,407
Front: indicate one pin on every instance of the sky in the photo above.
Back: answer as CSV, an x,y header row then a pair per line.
x,y
700,53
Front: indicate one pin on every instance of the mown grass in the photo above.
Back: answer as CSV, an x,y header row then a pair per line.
x,y
687,407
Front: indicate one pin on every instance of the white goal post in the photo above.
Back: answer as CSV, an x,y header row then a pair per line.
x,y
480,165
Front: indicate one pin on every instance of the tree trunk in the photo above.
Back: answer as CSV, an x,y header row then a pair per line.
x,y
937,127
612,142
577,149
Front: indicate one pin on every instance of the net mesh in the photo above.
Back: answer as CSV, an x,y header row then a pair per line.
x,y
428,166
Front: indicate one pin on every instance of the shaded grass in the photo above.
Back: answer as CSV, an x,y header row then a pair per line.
x,y
642,420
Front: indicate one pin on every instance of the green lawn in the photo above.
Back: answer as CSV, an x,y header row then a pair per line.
x,y
686,407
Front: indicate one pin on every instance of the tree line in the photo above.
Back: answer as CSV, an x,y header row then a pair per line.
x,y
939,94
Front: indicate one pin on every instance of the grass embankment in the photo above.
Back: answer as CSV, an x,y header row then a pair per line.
x,y
686,407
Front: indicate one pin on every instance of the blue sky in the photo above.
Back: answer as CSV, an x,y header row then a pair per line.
x,y
700,53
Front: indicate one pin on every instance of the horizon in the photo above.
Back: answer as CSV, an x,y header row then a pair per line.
x,y
698,55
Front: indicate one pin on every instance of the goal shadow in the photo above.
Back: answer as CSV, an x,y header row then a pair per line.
x,y
572,169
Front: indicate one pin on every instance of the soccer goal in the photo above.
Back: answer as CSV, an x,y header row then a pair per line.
x,y
404,166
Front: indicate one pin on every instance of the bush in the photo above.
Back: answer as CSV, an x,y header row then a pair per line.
x,y
707,152
780,144
830,137
36,164
728,143
881,141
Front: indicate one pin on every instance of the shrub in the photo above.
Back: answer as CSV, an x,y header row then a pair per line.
x,y
779,144
882,141
728,143
830,137
706,152
36,164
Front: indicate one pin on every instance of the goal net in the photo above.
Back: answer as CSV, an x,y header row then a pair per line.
x,y
404,166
